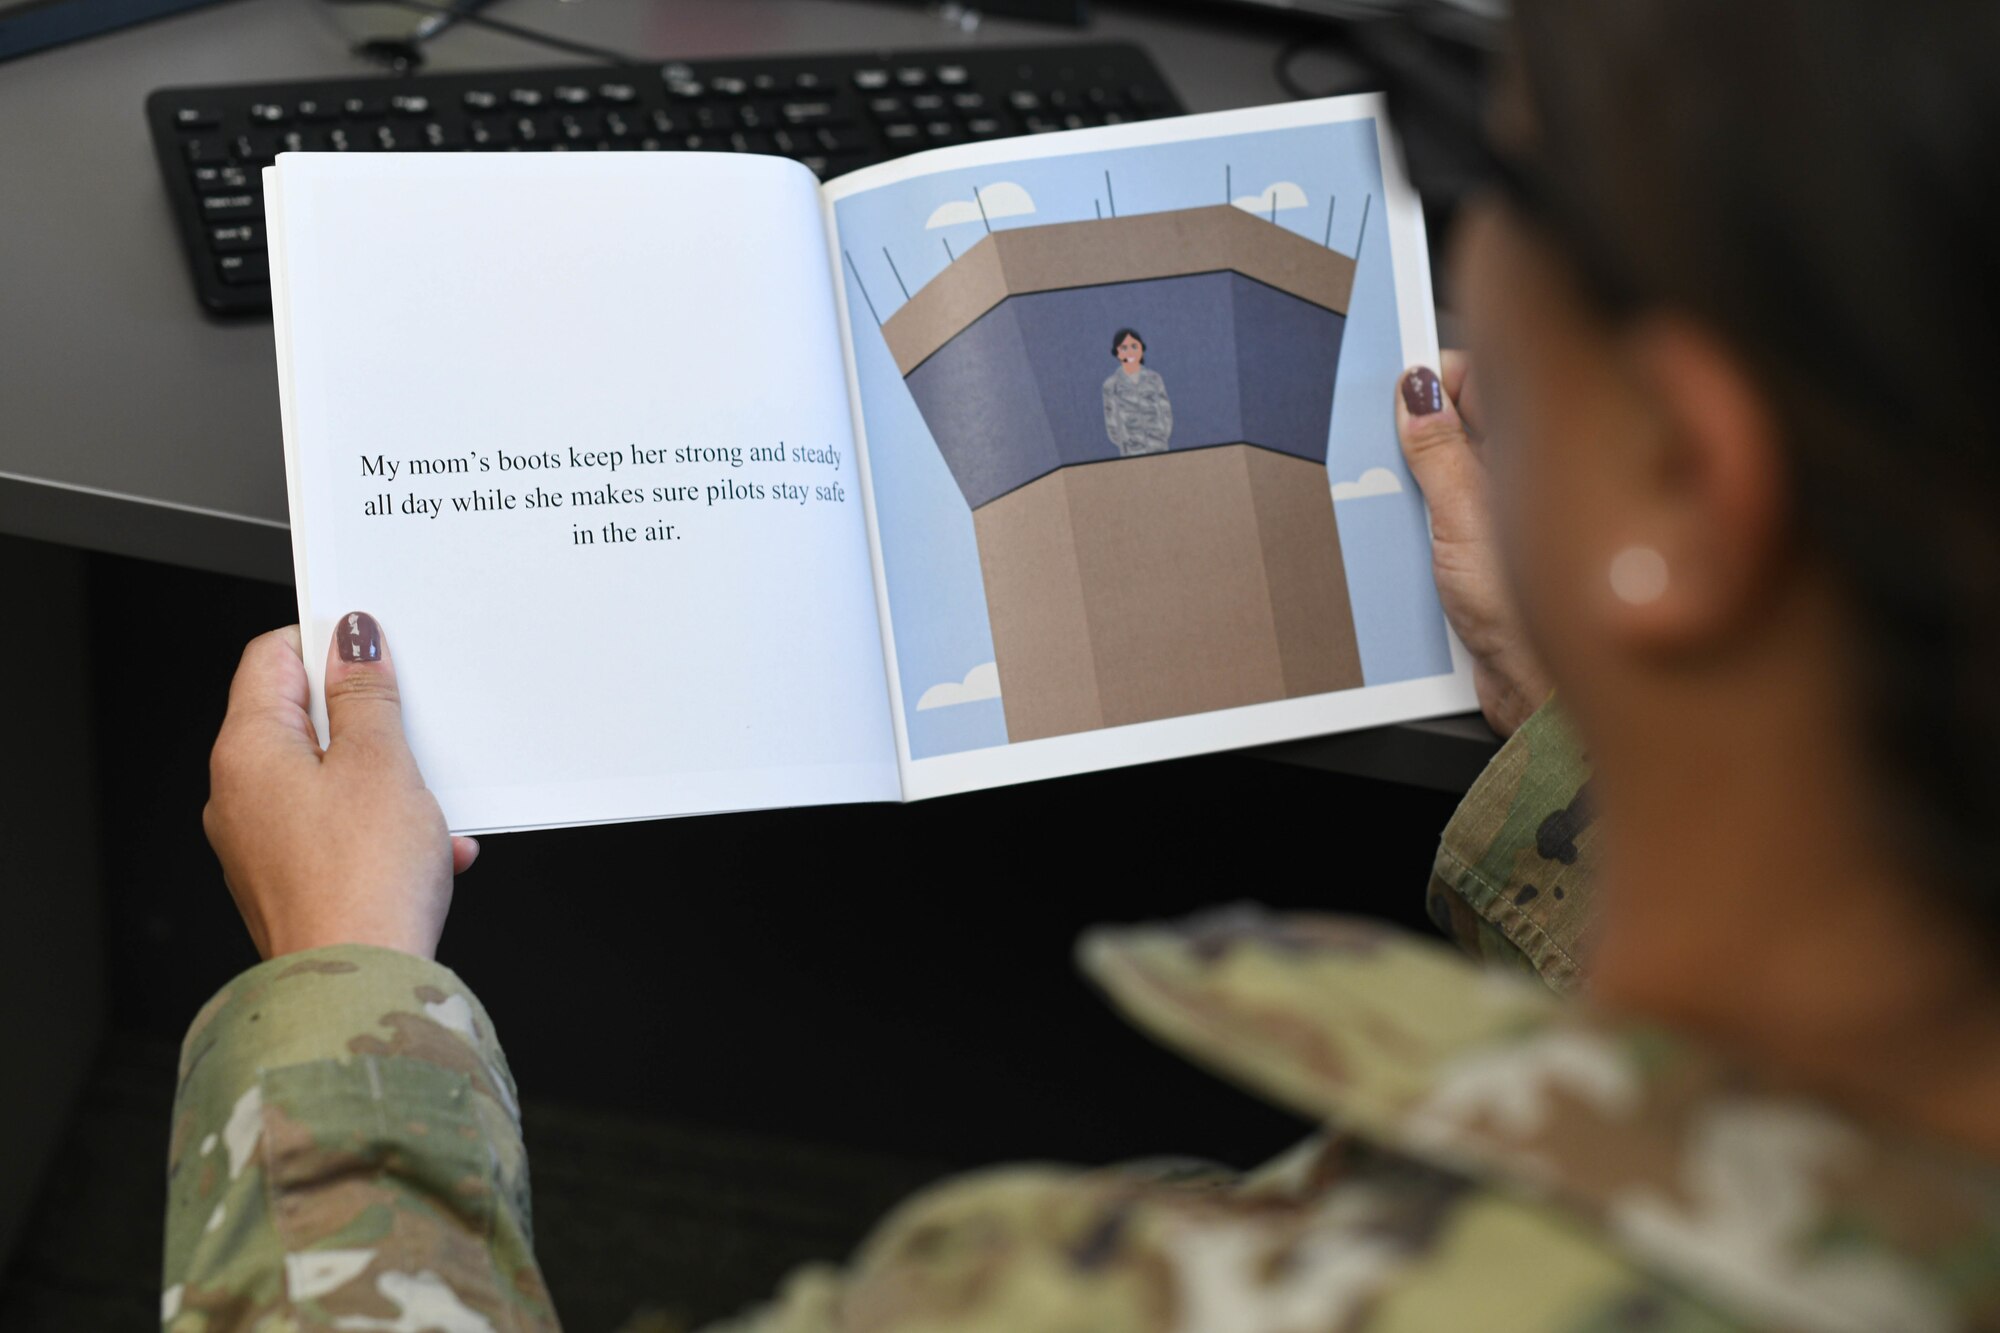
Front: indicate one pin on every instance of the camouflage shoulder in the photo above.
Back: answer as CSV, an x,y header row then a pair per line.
x,y
1515,867
1381,1246
346,1152
1782,1211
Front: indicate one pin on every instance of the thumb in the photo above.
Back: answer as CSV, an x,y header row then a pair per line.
x,y
363,709
1441,457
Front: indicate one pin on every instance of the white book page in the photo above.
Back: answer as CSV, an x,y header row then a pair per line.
x,y
524,399
1020,642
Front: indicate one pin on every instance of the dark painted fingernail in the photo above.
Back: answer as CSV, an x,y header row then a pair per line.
x,y
1422,392
357,638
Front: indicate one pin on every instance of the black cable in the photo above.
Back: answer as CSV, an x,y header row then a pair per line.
x,y
514,30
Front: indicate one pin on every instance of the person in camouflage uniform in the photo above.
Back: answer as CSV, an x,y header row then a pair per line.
x,y
1733,1062
1138,416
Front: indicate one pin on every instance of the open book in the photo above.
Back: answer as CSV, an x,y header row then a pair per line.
x,y
683,483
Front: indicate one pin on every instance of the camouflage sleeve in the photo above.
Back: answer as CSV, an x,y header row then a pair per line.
x,y
346,1153
1512,878
1114,429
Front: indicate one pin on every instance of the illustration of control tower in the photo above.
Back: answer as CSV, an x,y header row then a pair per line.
x,y
1127,588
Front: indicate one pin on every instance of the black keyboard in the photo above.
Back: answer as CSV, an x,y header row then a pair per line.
x,y
833,113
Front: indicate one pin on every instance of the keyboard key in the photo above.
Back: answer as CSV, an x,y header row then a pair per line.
x,y
969,102
1024,100
620,124
724,85
393,137
942,131
228,207
666,123
410,104
205,148
912,76
756,116
871,80
953,76
842,140
808,82
221,180
984,127
443,137
902,135
301,141
481,99
618,94
580,126
340,139
811,113
489,132
257,147
752,141
715,118
571,94
196,117
533,130
316,109
687,90
364,108
927,104
239,270
888,108
242,236
525,97
268,113
770,83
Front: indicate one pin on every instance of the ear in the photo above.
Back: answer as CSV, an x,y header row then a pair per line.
x,y
1707,492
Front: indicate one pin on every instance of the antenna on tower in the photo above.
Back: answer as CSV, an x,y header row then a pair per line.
x,y
852,268
982,210
1228,190
899,277
949,256
1330,200
1097,206
1109,197
1363,235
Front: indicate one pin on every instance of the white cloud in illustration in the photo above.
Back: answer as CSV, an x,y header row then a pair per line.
x,y
982,682
1375,481
1003,199
1280,195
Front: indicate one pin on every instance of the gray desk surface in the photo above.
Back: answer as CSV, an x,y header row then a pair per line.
x,y
132,423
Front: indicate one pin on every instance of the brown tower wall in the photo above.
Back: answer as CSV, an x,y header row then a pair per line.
x,y
1165,585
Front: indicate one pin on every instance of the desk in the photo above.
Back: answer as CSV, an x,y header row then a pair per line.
x,y
130,422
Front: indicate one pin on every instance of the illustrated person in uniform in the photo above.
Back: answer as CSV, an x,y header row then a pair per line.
x,y
1138,416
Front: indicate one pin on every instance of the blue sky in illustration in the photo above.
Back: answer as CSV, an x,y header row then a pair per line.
x,y
936,598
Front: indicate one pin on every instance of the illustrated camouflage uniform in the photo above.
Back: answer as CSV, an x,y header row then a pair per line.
x,y
1137,414
1495,1158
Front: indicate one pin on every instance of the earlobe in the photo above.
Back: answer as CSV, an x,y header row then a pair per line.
x,y
1713,503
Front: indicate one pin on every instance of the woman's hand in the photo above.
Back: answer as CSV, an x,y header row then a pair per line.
x,y
1437,419
345,846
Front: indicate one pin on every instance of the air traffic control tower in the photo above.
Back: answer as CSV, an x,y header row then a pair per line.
x,y
1122,589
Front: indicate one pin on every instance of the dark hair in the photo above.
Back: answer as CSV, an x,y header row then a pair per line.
x,y
1133,334
1812,179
